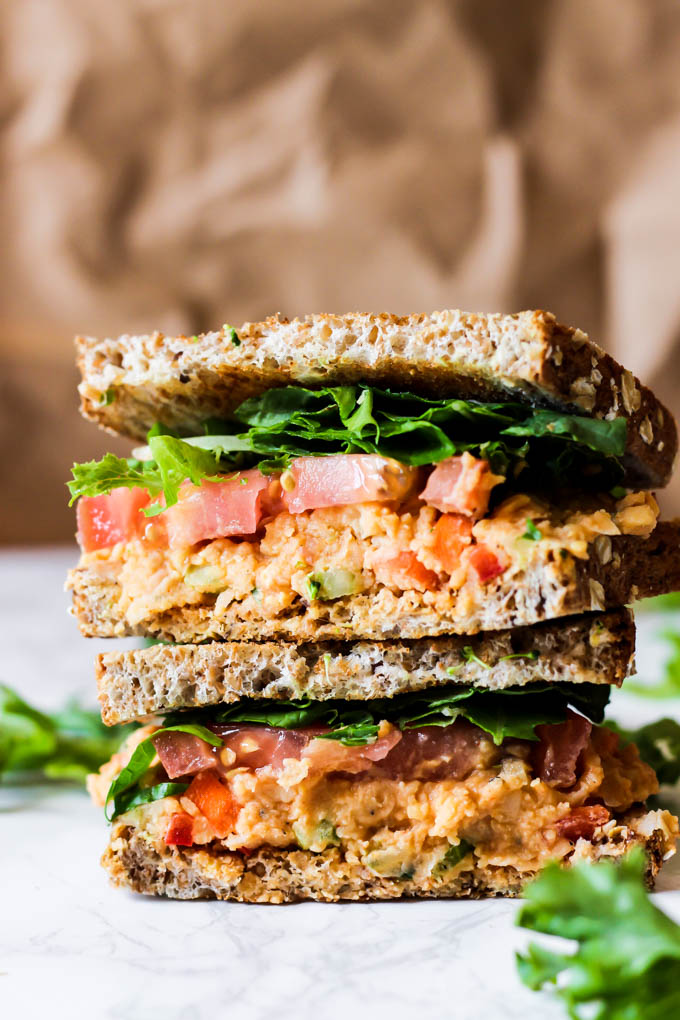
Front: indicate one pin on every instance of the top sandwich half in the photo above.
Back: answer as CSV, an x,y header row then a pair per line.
x,y
367,476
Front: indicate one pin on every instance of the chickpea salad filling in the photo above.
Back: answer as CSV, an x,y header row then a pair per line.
x,y
409,786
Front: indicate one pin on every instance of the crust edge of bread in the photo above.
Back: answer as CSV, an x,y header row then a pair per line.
x,y
177,380
136,684
288,876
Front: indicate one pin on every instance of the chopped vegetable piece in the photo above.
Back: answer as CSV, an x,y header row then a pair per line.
x,y
461,485
180,830
214,801
105,520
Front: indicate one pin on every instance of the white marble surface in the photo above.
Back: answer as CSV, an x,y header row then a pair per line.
x,y
71,946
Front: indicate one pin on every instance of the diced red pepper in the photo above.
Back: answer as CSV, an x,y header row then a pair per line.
x,y
452,533
581,822
180,830
405,571
214,800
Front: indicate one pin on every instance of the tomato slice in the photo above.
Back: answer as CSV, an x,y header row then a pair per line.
x,y
461,485
105,520
183,754
214,801
218,509
555,756
347,478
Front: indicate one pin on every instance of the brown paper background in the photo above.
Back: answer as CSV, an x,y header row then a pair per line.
x,y
175,165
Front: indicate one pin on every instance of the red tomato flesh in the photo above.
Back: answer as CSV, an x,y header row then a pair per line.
x,y
347,478
218,509
461,485
105,520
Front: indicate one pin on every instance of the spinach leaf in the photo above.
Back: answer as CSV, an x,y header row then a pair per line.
x,y
513,712
118,796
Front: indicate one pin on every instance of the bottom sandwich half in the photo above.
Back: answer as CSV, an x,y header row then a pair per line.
x,y
136,861
455,789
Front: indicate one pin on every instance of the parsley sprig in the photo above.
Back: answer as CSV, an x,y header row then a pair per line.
x,y
626,961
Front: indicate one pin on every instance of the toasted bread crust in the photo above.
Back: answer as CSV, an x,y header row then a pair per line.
x,y
181,381
594,648
637,568
286,876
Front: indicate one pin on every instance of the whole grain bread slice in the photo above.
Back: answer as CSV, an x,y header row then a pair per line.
x,y
131,382
627,568
134,862
594,648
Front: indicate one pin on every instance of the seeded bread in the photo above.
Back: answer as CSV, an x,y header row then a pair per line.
x,y
595,648
130,382
284,876
633,568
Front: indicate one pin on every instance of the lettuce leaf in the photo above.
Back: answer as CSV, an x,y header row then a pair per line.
x,y
626,964
539,446
63,745
514,712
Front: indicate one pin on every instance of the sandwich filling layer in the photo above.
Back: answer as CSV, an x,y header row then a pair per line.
x,y
309,497
402,800
388,555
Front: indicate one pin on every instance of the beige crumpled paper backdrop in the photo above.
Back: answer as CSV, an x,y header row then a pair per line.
x,y
175,165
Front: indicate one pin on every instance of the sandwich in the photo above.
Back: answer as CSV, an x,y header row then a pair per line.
x,y
321,507
434,768
387,558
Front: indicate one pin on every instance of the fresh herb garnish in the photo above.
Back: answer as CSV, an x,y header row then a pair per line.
x,y
532,532
232,334
107,397
532,655
626,964
64,745
546,446
470,655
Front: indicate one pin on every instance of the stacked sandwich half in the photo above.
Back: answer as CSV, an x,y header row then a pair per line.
x,y
386,562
